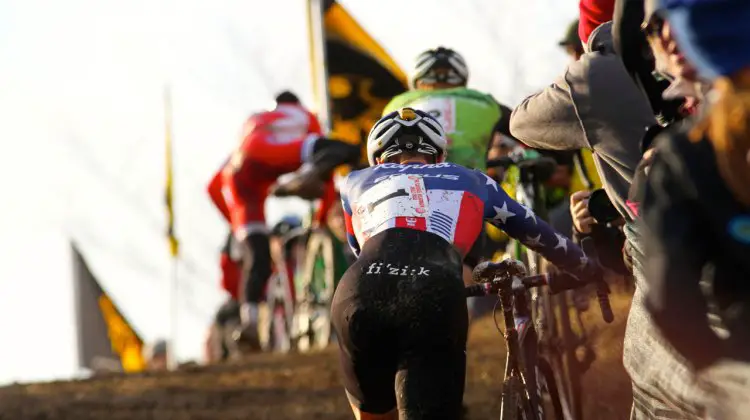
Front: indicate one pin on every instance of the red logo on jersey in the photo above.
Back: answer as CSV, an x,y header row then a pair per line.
x,y
417,223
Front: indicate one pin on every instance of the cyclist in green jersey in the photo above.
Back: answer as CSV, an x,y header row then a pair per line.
x,y
469,117
438,83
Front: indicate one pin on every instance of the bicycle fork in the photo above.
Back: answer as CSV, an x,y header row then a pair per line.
x,y
522,351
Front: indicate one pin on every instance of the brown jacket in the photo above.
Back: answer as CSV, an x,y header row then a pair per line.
x,y
595,105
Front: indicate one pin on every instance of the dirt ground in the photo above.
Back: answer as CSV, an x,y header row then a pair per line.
x,y
300,386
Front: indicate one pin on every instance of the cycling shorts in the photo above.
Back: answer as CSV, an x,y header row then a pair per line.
x,y
400,316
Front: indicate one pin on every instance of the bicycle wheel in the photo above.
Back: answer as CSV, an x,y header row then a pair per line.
x,y
302,332
324,285
543,397
272,328
572,366
513,403
312,325
545,380
557,345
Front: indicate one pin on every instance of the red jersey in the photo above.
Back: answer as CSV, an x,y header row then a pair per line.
x,y
272,143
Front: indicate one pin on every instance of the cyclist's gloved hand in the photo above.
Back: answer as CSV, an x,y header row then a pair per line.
x,y
590,270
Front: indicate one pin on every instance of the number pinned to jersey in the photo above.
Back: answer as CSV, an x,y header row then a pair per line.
x,y
443,108
394,197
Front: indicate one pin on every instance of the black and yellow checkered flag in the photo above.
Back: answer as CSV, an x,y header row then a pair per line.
x,y
361,78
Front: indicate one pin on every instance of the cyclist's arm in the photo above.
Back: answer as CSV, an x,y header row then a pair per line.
x,y
350,237
326,154
522,224
214,189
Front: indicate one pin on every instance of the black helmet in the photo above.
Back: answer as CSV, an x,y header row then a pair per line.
x,y
286,97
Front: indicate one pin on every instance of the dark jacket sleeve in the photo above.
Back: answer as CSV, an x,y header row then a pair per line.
x,y
503,124
676,249
548,119
630,43
594,105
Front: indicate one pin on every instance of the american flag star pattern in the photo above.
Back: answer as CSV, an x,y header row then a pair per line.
x,y
449,201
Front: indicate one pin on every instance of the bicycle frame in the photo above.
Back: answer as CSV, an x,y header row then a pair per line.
x,y
521,343
530,193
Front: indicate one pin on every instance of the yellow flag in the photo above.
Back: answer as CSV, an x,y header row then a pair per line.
x,y
174,245
104,334
125,342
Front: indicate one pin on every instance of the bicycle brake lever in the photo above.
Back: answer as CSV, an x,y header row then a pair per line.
x,y
602,294
602,288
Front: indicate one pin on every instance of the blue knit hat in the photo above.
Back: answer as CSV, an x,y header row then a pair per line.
x,y
713,34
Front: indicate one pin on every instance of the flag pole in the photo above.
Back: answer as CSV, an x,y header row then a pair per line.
x,y
316,37
171,235
319,70
172,361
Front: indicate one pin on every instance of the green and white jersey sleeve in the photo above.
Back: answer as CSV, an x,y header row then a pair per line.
x,y
468,117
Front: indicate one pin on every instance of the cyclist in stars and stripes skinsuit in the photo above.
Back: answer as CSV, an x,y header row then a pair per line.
x,y
400,310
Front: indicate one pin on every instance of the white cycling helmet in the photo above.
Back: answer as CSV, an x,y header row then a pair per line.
x,y
439,58
406,130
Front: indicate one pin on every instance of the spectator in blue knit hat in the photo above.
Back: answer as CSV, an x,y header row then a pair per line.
x,y
696,218
714,34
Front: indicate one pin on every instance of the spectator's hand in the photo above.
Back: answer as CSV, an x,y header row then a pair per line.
x,y
582,219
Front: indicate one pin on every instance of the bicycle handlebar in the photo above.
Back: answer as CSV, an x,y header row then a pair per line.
x,y
492,277
522,162
503,162
511,274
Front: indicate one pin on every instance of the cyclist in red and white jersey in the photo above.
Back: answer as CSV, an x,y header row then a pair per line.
x,y
273,143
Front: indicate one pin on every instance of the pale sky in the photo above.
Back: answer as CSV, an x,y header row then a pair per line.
x,y
82,129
